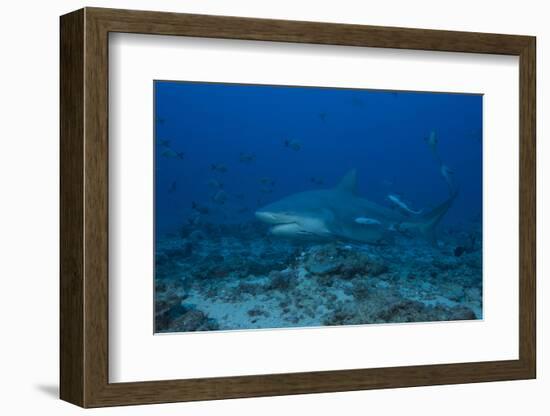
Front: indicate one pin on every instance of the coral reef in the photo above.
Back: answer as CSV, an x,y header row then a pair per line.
x,y
342,263
225,277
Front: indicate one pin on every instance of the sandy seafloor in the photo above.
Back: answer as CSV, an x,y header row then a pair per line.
x,y
227,277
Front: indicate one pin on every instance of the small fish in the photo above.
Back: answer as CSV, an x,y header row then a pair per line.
x,y
201,209
267,181
247,157
242,210
173,187
170,153
240,196
164,143
367,221
397,201
220,197
446,172
218,167
213,183
266,190
292,144
323,117
317,181
160,120
387,182
432,141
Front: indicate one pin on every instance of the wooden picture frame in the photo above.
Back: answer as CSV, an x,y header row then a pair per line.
x,y
84,207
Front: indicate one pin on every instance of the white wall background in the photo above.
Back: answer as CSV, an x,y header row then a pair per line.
x,y
29,206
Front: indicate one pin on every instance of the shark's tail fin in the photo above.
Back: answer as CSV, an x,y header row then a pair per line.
x,y
430,220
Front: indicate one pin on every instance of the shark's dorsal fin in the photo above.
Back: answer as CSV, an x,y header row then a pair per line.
x,y
349,182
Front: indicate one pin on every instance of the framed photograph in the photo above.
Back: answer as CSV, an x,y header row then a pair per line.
x,y
257,207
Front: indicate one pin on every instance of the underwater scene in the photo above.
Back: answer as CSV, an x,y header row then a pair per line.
x,y
288,206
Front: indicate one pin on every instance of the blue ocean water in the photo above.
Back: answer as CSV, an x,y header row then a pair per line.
x,y
224,151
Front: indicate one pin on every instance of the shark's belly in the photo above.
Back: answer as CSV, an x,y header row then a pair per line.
x,y
375,234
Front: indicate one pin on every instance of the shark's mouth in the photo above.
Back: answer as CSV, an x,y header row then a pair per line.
x,y
284,227
276,219
293,230
294,226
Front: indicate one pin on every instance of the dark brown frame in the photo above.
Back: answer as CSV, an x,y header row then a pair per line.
x,y
84,210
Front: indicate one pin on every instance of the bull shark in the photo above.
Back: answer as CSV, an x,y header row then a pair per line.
x,y
341,214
